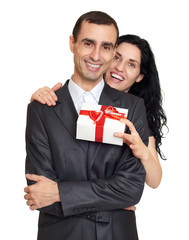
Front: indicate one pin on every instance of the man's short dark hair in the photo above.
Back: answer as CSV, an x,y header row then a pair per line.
x,y
95,17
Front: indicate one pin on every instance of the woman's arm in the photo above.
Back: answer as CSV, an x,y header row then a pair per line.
x,y
147,155
152,165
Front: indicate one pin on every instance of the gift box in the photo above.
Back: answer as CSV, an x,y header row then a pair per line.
x,y
98,123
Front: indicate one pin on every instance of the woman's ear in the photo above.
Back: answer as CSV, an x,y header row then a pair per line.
x,y
140,77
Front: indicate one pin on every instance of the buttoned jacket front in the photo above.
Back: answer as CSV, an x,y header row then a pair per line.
x,y
96,181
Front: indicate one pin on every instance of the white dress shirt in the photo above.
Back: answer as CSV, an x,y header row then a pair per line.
x,y
79,96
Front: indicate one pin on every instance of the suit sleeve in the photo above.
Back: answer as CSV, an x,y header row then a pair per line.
x,y
121,190
39,158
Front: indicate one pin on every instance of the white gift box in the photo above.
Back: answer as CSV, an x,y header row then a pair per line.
x,y
98,123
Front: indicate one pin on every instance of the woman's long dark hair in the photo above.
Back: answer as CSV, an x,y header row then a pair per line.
x,y
149,89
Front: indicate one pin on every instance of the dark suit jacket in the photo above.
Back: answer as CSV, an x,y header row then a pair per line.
x,y
96,181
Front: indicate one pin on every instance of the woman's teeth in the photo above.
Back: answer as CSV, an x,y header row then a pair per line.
x,y
117,76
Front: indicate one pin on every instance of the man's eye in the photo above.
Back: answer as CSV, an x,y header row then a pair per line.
x,y
88,44
106,47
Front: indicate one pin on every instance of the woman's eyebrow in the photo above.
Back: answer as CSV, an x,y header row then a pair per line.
x,y
133,60
118,53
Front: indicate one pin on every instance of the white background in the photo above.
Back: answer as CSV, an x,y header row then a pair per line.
x,y
34,52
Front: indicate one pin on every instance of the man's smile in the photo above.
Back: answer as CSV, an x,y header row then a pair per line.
x,y
92,66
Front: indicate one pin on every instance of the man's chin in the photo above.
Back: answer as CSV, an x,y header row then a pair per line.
x,y
94,78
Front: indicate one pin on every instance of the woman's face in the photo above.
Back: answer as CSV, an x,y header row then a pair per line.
x,y
124,70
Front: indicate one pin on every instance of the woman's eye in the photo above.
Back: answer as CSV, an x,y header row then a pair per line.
x,y
116,57
131,65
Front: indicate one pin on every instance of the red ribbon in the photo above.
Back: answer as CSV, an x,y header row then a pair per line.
x,y
99,119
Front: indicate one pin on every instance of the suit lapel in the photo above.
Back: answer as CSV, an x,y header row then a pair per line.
x,y
109,97
67,114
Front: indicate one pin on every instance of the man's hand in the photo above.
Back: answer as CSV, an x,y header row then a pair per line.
x,y
132,208
41,194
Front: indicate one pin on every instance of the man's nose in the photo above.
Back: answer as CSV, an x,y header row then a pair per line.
x,y
95,54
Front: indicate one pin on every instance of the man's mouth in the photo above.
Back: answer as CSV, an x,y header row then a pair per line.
x,y
93,67
117,77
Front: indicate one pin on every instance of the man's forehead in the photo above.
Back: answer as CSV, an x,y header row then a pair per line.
x,y
98,32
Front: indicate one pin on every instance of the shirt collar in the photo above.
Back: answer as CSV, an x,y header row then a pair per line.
x,y
97,90
76,91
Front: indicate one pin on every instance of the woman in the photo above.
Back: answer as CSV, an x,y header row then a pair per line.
x,y
133,70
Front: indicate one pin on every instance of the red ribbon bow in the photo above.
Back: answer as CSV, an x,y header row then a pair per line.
x,y
99,118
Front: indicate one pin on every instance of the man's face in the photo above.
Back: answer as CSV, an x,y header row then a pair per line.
x,y
93,51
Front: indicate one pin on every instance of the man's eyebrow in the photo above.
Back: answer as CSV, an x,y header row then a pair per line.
x,y
94,41
108,44
88,40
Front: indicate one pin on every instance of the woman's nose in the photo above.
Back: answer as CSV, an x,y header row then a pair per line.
x,y
120,66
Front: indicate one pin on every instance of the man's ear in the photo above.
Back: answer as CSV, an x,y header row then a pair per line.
x,y
72,43
140,77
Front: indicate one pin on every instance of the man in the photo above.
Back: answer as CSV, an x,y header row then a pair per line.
x,y
81,188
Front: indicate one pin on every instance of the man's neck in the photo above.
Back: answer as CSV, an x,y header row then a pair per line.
x,y
86,85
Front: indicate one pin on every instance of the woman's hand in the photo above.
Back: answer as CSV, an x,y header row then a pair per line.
x,y
147,155
133,140
46,95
